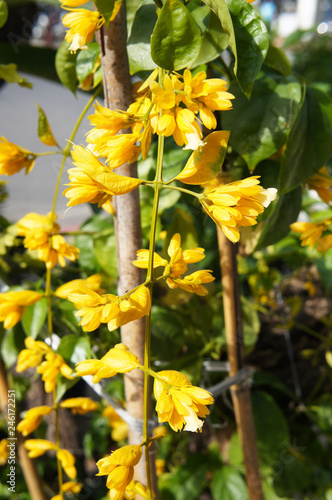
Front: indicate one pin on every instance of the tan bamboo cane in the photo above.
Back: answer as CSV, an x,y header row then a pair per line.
x,y
234,338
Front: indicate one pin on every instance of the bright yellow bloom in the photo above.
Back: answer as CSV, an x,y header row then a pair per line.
x,y
40,234
119,426
179,402
237,204
72,3
67,462
69,487
133,489
116,360
91,181
179,259
50,369
92,282
115,311
322,183
4,454
324,244
13,158
32,355
310,231
37,447
14,304
82,26
160,466
119,467
80,405
33,419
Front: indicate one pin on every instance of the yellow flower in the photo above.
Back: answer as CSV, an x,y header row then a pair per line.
x,y
93,283
117,360
67,462
33,419
310,231
83,24
119,426
133,489
119,467
93,182
72,3
179,402
40,233
325,244
69,487
322,183
32,355
160,466
236,204
14,304
115,311
13,158
193,282
4,454
37,447
80,405
50,369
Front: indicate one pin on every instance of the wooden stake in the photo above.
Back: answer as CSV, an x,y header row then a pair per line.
x,y
31,477
117,90
235,348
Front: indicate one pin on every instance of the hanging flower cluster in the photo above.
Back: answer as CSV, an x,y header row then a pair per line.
x,y
14,158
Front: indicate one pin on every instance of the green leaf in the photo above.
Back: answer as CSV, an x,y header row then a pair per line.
x,y
167,334
228,484
45,133
3,13
74,349
139,50
219,7
214,41
277,59
8,72
271,427
106,8
182,223
34,318
176,38
12,344
86,61
65,65
185,482
251,324
283,213
235,452
260,127
252,43
324,266
105,253
309,144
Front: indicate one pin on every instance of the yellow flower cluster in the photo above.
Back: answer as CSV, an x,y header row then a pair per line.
x,y
13,305
41,233
322,183
311,233
95,308
13,158
176,108
177,266
119,426
33,419
236,204
4,453
38,447
49,369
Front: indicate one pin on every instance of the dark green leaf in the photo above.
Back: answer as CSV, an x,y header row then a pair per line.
x,y
185,482
271,427
105,253
8,72
34,318
139,50
235,452
86,61
63,385
167,334
321,413
252,43
176,38
228,484
183,223
251,324
214,41
74,349
283,213
259,127
12,344
45,133
219,7
309,144
277,59
65,65
324,266
3,13
105,7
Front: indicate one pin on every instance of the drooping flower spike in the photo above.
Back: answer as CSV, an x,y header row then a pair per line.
x,y
14,158
82,24
311,234
13,305
33,419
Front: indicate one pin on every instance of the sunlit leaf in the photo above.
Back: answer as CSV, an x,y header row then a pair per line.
x,y
45,133
139,50
34,318
106,8
8,72
86,61
65,65
3,13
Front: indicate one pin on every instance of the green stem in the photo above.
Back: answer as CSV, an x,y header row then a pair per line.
x,y
150,276
66,151
183,190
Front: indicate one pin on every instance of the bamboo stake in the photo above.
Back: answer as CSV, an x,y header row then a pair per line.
x,y
234,338
31,477
117,90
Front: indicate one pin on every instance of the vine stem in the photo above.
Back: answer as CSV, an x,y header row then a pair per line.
x,y
158,184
